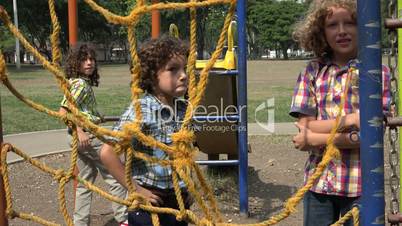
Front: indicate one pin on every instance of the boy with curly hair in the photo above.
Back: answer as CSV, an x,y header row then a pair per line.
x,y
82,73
164,79
330,31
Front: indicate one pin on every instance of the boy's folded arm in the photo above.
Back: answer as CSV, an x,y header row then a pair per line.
x,y
341,140
308,141
348,122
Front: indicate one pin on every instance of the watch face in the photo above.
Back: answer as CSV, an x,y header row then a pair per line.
x,y
354,136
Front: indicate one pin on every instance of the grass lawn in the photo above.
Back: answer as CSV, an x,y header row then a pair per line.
x,y
266,79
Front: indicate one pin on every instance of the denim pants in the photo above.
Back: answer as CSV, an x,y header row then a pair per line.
x,y
143,218
324,210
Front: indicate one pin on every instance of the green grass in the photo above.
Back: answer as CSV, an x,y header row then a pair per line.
x,y
40,86
282,100
113,94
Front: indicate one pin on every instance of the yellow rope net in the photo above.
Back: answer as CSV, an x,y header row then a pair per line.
x,y
181,152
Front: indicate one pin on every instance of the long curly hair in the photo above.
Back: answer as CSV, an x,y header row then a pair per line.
x,y
155,54
75,56
309,32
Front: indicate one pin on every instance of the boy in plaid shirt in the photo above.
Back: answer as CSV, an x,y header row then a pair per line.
x,y
163,78
330,31
82,73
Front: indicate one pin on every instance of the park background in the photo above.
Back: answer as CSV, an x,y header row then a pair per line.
x,y
274,61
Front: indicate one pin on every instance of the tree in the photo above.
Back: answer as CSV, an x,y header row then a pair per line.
x,y
252,29
34,21
273,23
182,19
214,23
7,42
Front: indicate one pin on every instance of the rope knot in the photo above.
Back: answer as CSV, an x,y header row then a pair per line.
x,y
183,136
131,128
58,174
133,199
11,214
7,146
66,119
179,217
183,141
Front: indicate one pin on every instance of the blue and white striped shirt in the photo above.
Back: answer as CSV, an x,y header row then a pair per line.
x,y
159,121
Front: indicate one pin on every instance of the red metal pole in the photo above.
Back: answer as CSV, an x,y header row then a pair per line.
x,y
156,21
3,204
73,38
72,22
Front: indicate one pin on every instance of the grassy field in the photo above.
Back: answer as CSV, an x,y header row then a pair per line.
x,y
266,79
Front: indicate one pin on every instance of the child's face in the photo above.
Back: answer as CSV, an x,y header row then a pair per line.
x,y
172,80
341,33
87,66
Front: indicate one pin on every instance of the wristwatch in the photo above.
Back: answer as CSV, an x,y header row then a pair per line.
x,y
354,136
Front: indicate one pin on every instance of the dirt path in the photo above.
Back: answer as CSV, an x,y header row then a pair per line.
x,y
275,173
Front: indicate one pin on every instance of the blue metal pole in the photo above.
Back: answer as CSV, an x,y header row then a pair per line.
x,y
242,103
371,114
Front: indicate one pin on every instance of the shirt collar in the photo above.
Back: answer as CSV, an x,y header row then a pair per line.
x,y
326,60
154,103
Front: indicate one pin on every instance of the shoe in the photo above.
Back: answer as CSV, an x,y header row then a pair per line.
x,y
124,223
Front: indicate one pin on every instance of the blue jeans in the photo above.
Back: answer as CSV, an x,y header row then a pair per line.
x,y
143,218
324,210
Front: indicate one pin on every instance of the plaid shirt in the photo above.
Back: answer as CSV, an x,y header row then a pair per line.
x,y
84,98
318,93
158,122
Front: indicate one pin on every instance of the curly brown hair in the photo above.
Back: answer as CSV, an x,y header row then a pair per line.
x,y
155,54
75,56
309,32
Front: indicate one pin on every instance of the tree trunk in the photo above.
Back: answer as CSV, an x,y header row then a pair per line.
x,y
201,15
285,53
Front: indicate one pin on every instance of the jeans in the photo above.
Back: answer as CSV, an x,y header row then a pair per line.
x,y
143,218
324,210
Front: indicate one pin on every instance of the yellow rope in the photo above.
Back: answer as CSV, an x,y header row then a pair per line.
x,y
54,38
353,213
181,152
142,9
192,58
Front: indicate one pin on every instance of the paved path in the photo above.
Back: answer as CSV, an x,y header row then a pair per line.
x,y
38,143
54,141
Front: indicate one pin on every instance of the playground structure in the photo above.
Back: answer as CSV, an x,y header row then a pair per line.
x,y
372,204
223,91
182,139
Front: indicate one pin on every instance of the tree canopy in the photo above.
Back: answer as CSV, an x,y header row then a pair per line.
x,y
7,43
271,24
